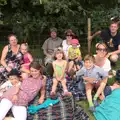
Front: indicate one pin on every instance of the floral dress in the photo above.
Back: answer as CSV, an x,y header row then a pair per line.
x,y
13,60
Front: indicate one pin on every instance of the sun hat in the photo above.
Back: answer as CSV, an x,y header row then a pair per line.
x,y
74,42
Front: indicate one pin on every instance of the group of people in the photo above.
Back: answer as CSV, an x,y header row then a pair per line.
x,y
21,77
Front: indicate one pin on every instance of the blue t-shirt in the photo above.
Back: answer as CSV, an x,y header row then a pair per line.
x,y
95,72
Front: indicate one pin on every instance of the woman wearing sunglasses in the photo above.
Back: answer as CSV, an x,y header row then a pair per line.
x,y
101,57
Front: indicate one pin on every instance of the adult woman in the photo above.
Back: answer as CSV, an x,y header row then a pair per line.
x,y
101,57
17,99
67,42
10,58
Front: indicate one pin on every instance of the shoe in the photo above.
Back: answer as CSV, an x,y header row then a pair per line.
x,y
95,102
92,109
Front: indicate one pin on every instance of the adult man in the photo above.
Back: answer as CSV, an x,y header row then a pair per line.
x,y
49,45
111,37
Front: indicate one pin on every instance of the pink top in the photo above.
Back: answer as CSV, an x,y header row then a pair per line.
x,y
26,60
28,90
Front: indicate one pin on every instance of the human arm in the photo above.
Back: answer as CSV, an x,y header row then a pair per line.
x,y
88,79
3,57
45,47
42,91
15,97
94,35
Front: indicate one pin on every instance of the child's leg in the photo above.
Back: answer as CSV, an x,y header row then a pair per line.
x,y
89,88
19,112
63,82
100,89
71,64
5,106
54,86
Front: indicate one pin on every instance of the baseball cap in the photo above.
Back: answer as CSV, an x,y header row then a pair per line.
x,y
53,29
74,42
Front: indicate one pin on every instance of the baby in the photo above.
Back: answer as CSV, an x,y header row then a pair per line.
x,y
13,80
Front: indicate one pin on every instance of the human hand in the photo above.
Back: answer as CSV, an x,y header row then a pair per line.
x,y
14,98
88,79
8,69
90,38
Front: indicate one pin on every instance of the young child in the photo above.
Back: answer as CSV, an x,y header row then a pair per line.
x,y
93,76
59,66
74,56
13,80
108,89
27,59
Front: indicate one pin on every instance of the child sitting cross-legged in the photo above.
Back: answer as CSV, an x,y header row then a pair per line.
x,y
59,66
93,76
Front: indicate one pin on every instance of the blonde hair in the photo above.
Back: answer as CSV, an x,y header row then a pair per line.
x,y
59,50
26,45
90,58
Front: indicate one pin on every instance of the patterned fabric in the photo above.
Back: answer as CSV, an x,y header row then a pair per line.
x,y
75,86
28,90
13,61
64,110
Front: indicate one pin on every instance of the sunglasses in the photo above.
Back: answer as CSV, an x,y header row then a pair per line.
x,y
69,35
100,49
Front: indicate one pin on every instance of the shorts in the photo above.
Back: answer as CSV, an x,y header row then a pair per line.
x,y
107,91
78,62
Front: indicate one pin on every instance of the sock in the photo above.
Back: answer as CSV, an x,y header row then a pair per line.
x,y
90,103
95,97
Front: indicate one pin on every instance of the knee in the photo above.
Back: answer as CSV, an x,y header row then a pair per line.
x,y
114,58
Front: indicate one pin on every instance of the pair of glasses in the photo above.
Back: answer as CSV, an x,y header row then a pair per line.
x,y
102,50
69,35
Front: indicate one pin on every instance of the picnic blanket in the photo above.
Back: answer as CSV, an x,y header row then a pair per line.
x,y
65,109
109,109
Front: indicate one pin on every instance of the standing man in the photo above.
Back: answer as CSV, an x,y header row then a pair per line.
x,y
49,45
111,37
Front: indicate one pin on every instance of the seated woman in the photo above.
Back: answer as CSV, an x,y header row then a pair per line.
x,y
101,59
17,98
67,42
10,59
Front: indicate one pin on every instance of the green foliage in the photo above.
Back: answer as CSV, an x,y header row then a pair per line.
x,y
27,17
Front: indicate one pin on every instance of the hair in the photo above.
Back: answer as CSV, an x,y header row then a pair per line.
x,y
37,66
26,45
90,58
11,36
69,32
98,44
59,50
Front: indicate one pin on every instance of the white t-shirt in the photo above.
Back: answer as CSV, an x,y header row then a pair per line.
x,y
65,47
106,66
